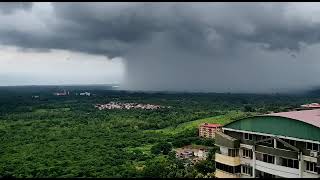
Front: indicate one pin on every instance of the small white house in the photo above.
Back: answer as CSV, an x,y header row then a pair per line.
x,y
201,153
85,94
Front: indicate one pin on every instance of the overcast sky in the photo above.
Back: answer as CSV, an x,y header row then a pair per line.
x,y
217,47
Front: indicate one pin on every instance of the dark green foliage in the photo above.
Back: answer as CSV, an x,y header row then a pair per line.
x,y
248,108
138,155
156,149
190,137
157,168
161,147
67,137
205,167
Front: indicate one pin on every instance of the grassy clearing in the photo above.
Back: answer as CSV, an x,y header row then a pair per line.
x,y
195,146
42,111
145,149
223,119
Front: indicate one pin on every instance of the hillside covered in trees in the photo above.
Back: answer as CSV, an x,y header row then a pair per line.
x,y
43,135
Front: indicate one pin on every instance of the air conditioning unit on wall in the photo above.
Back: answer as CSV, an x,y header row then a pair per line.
x,y
313,153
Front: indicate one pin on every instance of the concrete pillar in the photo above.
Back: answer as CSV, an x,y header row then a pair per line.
x,y
300,159
276,158
253,161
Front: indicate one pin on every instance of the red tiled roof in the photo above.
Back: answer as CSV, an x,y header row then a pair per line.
x,y
211,125
308,116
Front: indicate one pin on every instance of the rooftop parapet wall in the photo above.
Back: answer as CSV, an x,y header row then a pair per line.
x,y
224,140
276,125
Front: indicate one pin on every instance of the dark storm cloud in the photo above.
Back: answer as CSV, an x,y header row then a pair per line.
x,y
114,28
183,45
125,25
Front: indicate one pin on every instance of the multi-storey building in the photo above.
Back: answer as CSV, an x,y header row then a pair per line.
x,y
208,130
278,145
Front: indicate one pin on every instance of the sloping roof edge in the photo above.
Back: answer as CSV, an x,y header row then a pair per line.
x,y
272,115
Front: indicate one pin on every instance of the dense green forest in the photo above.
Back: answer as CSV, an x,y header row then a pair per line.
x,y
53,136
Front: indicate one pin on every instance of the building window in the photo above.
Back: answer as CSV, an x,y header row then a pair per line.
x,y
237,169
233,152
248,136
312,167
312,146
247,153
268,158
227,168
291,142
266,175
266,137
290,163
247,170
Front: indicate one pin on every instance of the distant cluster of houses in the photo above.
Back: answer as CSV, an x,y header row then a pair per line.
x,y
67,93
85,94
119,105
64,93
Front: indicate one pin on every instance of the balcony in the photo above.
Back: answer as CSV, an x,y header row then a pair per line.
x,y
277,170
228,160
222,174
309,158
246,161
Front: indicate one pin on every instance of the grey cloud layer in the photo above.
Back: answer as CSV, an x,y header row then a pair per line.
x,y
113,28
10,7
163,42
191,25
